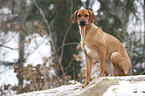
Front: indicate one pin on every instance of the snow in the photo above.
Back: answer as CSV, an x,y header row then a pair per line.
x,y
5,10
64,90
7,76
83,0
96,7
28,2
51,73
43,50
9,55
35,58
51,6
127,88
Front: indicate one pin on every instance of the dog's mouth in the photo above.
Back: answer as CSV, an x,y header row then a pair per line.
x,y
82,22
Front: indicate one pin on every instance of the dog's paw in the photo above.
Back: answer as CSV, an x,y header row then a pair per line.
x,y
99,76
84,85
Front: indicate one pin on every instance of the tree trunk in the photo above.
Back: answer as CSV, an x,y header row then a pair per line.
x,y
21,55
21,42
144,34
61,26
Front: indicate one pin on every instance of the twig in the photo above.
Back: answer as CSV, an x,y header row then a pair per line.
x,y
50,34
66,44
52,21
143,72
118,11
9,47
9,39
69,63
45,81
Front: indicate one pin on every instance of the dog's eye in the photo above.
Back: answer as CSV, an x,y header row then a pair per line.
x,y
79,15
86,15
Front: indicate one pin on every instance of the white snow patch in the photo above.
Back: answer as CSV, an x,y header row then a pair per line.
x,y
83,0
51,6
52,73
127,88
5,10
7,76
82,7
96,7
28,2
44,50
36,54
10,40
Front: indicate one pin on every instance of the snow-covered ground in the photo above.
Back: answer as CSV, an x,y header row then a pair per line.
x,y
126,86
65,90
7,75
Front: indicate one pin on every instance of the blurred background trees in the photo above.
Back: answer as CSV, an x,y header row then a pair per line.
x,y
50,19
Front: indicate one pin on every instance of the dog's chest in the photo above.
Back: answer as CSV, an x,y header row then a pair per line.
x,y
90,50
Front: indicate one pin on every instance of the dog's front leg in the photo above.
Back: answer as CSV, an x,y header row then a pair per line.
x,y
103,66
102,60
88,62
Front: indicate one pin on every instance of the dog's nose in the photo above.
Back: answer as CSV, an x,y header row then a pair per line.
x,y
82,22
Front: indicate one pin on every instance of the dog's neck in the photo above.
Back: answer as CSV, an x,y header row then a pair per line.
x,y
84,30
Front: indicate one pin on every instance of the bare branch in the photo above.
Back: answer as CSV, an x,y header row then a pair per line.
x,y
9,47
8,40
66,45
69,63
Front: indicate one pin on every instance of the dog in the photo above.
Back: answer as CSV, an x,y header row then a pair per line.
x,y
100,46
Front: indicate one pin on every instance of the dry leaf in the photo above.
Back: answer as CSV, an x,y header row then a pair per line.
x,y
78,58
21,32
9,25
17,27
35,23
78,46
28,41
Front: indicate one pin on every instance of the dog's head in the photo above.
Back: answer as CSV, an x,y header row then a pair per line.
x,y
83,17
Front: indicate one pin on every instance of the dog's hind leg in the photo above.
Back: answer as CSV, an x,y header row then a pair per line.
x,y
121,64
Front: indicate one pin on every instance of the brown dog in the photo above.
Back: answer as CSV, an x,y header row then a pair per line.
x,y
100,46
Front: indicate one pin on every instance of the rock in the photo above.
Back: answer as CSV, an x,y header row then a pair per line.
x,y
103,86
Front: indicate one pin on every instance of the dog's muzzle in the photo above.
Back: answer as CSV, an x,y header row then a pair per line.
x,y
82,22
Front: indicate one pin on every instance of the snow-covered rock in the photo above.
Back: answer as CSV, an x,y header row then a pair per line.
x,y
64,90
103,86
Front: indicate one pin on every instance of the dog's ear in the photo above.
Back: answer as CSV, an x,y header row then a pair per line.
x,y
92,16
74,17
